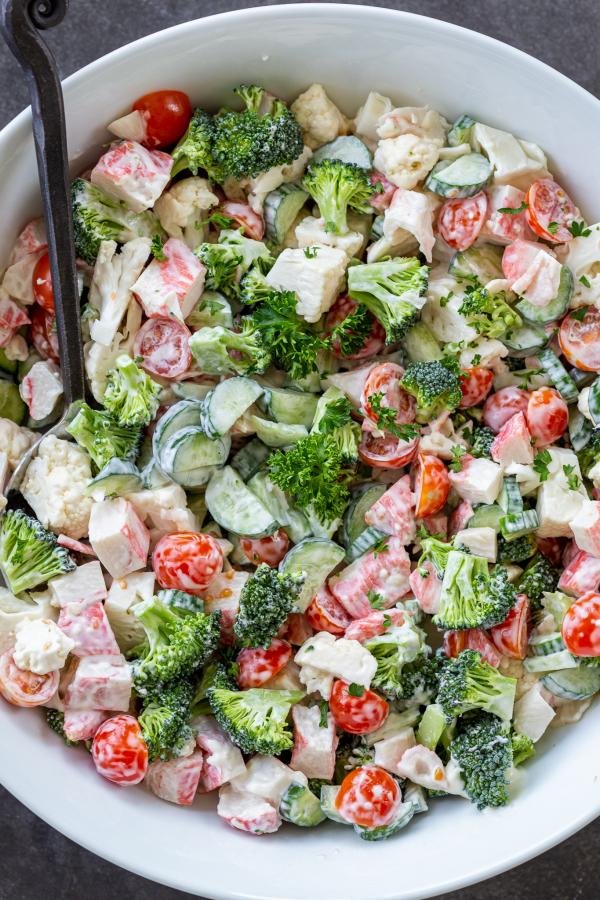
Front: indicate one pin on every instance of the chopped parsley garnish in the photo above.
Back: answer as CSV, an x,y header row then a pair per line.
x,y
579,314
585,281
323,710
541,461
156,248
352,332
355,690
311,252
380,546
386,419
457,453
375,599
579,229
513,210
573,479
553,227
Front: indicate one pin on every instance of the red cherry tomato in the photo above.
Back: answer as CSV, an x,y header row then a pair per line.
x,y
548,204
510,636
357,715
432,485
298,629
252,225
270,549
460,221
119,750
374,624
579,339
382,199
547,416
257,665
471,639
475,385
325,613
374,342
187,561
503,405
24,688
41,282
43,333
386,452
552,549
164,347
368,796
385,380
167,115
581,626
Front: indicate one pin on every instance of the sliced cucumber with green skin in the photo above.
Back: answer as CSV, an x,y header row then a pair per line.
x,y
404,814
558,375
573,684
118,477
546,644
420,345
376,232
431,726
316,558
414,793
363,498
277,434
541,315
153,477
582,379
486,517
8,365
234,507
11,402
484,262
348,148
525,341
594,402
189,456
329,793
557,604
290,407
250,458
273,498
365,541
187,390
551,662
462,177
510,496
180,415
460,133
515,525
280,210
228,401
301,807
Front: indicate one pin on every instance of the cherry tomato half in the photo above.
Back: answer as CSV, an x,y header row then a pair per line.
x,y
385,380
41,283
581,626
579,339
187,561
257,665
368,796
325,613
475,385
503,405
547,416
386,452
163,345
167,115
119,750
357,714
460,221
471,639
510,636
432,485
24,688
374,342
549,205
270,549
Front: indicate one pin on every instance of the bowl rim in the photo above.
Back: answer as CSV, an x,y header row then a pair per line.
x,y
14,130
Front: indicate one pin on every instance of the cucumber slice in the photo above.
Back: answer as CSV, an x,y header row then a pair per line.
x,y
488,516
316,558
420,345
118,477
525,341
11,403
273,498
277,434
301,807
211,309
348,148
365,541
8,365
152,477
250,458
414,793
404,814
189,456
290,407
553,310
187,390
460,177
546,644
551,662
328,794
594,402
557,604
197,505
460,133
280,210
510,496
484,262
573,684
376,232
515,525
180,415
227,402
362,500
431,726
234,507
558,375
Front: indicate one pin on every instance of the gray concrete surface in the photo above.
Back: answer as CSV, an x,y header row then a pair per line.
x,y
37,862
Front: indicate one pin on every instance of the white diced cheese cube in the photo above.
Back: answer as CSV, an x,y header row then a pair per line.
x,y
310,232
41,388
317,279
119,537
480,541
268,778
133,174
341,658
314,745
532,713
124,593
85,584
479,481
586,527
172,286
100,682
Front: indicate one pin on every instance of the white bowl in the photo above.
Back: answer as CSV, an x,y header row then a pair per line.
x,y
351,50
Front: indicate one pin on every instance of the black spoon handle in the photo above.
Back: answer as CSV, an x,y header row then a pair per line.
x,y
20,21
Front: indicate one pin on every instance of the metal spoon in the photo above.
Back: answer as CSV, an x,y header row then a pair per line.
x,y
20,23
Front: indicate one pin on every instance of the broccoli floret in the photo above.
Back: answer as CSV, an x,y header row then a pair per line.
x,y
352,752
538,577
254,287
434,387
391,290
266,600
435,551
164,717
516,551
469,682
523,748
481,441
194,150
482,748
131,396
419,681
351,334
29,555
249,142
335,185
56,721
99,217
103,438
393,650
228,260
178,643
590,454
256,719
471,596
221,351
489,314
333,416
181,601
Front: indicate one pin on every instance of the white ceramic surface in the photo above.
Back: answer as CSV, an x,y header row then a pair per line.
x,y
350,49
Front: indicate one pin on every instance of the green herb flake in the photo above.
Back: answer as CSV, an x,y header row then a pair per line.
x,y
541,461
355,690
513,210
156,248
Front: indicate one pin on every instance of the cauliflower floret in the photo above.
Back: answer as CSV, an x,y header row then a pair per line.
x,y
55,487
311,231
368,116
270,180
483,352
407,159
182,208
318,116
15,441
110,291
41,646
411,213
583,403
100,359
422,121
164,510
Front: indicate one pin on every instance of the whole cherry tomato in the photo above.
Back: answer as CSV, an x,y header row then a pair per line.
x,y
503,405
547,416
270,549
368,796
581,626
167,115
187,561
41,282
355,709
119,751
257,665
475,385
24,688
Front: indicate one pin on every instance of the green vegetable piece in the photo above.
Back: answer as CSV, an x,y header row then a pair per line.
x,y
255,719
335,185
266,600
29,555
469,682
131,396
392,290
103,438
